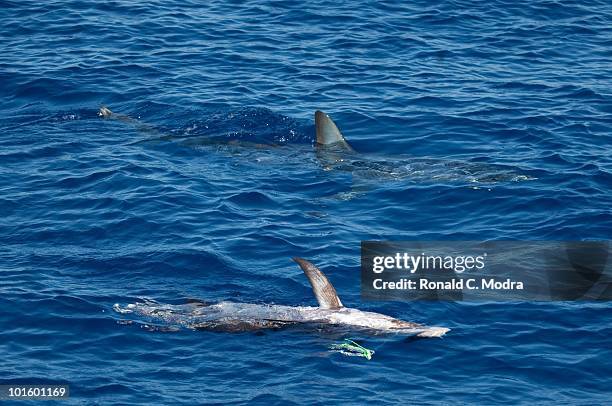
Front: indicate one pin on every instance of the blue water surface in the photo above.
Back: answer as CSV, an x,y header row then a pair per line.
x,y
222,186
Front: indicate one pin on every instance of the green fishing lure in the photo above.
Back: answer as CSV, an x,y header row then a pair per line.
x,y
352,349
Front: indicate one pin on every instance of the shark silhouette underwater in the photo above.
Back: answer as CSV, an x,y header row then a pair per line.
x,y
327,132
334,152
242,317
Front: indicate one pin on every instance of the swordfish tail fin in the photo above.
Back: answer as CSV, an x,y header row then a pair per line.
x,y
324,291
328,132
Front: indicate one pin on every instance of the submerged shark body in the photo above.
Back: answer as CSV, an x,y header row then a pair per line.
x,y
333,152
236,317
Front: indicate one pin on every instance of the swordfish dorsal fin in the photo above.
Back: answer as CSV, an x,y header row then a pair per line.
x,y
324,291
328,132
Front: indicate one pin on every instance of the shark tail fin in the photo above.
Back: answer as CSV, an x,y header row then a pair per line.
x,y
105,112
328,132
144,128
324,291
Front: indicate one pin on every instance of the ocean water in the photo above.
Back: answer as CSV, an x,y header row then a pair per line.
x,y
493,117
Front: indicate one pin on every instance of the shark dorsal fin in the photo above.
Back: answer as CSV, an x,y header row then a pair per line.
x,y
328,132
324,291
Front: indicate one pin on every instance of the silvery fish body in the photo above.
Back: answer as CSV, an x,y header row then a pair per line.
x,y
234,317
